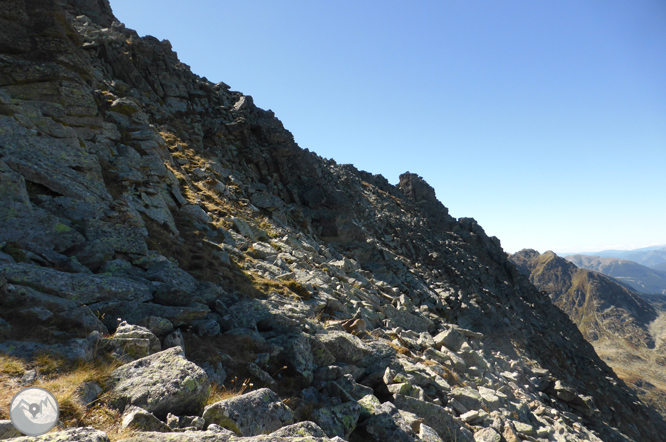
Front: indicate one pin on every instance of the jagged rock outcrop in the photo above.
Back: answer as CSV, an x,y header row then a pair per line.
x,y
137,190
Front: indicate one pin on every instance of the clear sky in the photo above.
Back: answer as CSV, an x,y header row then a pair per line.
x,y
543,120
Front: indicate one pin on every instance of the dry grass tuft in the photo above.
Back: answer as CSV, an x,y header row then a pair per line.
x,y
298,289
63,378
400,349
219,393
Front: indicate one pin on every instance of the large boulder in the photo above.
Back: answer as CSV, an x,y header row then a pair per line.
x,y
127,333
387,424
161,383
139,419
133,312
343,346
300,429
447,426
257,412
74,349
81,288
339,420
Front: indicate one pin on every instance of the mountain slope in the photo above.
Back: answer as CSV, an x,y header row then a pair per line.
x,y
640,278
653,257
133,189
597,304
625,329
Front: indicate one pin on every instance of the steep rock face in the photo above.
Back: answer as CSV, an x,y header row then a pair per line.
x,y
116,160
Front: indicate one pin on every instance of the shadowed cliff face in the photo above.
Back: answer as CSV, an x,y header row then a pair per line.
x,y
124,174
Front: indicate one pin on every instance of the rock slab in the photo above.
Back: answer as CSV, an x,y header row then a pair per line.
x,y
161,383
257,412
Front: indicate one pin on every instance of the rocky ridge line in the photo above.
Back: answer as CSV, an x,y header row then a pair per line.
x,y
134,189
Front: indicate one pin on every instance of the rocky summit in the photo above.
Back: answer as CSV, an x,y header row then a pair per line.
x,y
174,267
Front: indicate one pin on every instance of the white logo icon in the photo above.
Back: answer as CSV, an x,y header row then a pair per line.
x,y
34,411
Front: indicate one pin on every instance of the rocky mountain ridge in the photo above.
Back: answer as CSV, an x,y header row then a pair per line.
x,y
167,223
626,330
653,257
640,278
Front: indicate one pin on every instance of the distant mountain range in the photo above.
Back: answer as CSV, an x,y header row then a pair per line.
x,y
653,257
599,305
627,331
639,277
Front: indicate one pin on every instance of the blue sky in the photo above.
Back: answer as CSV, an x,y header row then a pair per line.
x,y
543,120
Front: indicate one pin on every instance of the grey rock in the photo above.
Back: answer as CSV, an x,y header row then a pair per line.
x,y
77,287
261,375
158,326
128,331
300,429
29,377
243,228
459,363
435,416
339,420
74,349
133,312
175,422
355,390
161,383
178,286
487,435
563,392
123,238
185,436
15,296
87,434
175,339
38,314
297,355
253,413
343,346
192,422
88,392
139,419
407,320
387,424
23,223
428,434
206,327
450,338
81,318
216,374
7,430
468,397
127,349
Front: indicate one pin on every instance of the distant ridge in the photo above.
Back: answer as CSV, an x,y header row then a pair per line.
x,y
597,304
653,256
627,331
640,278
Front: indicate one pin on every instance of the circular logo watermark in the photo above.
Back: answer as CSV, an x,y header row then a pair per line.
x,y
34,411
